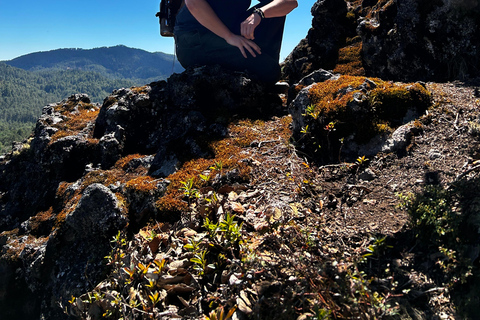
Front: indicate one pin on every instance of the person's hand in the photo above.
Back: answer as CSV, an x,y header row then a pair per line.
x,y
248,26
244,45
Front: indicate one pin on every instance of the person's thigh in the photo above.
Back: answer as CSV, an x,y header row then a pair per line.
x,y
196,49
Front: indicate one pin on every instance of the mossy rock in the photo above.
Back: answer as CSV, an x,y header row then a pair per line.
x,y
352,109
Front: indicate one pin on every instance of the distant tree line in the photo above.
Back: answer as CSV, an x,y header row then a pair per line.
x,y
24,93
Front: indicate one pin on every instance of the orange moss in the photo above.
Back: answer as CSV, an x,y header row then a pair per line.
x,y
122,201
418,124
298,88
326,98
92,141
140,90
189,170
142,184
350,60
383,128
243,133
389,99
109,101
59,135
41,217
68,208
70,107
97,176
61,190
355,3
123,162
70,200
384,105
16,244
228,152
172,202
74,123
108,177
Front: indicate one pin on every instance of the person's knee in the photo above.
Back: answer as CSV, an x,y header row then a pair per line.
x,y
266,69
269,77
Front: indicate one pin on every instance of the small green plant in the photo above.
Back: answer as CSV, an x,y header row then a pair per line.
x,y
342,142
365,301
227,232
218,166
117,254
311,112
362,160
188,189
154,297
431,214
305,130
321,314
211,228
377,248
219,314
230,229
212,203
131,289
223,239
201,264
330,127
193,245
438,225
205,178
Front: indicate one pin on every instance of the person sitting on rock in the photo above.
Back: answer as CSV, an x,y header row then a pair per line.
x,y
233,35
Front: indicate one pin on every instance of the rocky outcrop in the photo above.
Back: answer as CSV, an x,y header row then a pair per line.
x,y
178,116
90,171
338,118
408,40
320,48
422,40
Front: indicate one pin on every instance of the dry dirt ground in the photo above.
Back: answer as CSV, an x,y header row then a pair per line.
x,y
337,211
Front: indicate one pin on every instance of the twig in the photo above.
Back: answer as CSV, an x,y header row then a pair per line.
x,y
460,176
268,141
434,289
456,122
335,165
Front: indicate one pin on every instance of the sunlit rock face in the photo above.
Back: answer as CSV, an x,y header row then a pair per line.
x,y
422,40
402,40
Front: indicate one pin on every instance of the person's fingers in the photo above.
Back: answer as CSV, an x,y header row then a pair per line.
x,y
244,44
255,47
248,27
250,33
244,54
251,50
245,31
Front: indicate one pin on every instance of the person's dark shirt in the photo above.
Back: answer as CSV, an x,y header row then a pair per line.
x,y
230,12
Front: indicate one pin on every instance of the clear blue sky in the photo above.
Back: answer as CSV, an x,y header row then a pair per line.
x,y
28,26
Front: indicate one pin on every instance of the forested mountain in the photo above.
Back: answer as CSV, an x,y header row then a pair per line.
x,y
24,93
119,62
29,82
